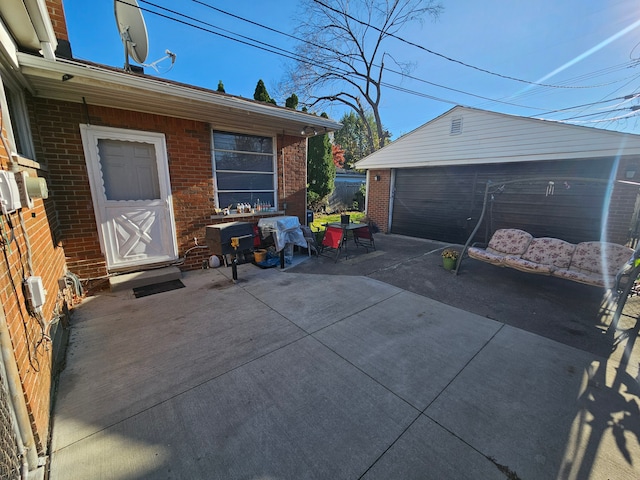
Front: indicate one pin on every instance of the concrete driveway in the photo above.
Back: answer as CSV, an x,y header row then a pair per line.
x,y
356,373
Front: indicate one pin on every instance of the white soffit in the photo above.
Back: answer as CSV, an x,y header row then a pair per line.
x,y
117,89
29,22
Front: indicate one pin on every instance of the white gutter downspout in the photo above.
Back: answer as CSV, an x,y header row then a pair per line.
x,y
306,178
392,194
366,193
41,22
25,433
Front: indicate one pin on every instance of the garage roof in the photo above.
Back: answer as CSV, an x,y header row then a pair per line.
x,y
467,136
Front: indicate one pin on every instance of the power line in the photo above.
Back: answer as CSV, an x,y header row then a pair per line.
x,y
306,60
602,113
614,119
460,62
293,56
626,97
607,70
252,42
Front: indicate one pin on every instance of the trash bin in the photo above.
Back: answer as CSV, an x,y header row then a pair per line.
x,y
309,217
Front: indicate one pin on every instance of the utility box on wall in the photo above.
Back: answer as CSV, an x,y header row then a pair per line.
x,y
9,192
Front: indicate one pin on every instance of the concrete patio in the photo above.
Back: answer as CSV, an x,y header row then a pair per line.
x,y
346,371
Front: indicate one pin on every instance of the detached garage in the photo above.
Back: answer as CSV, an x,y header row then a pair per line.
x,y
578,183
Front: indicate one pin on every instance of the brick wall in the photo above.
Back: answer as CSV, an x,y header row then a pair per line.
x,y
190,168
292,178
35,245
378,198
59,147
56,12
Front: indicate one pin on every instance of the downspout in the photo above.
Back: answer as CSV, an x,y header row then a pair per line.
x,y
284,183
306,176
366,193
25,433
392,194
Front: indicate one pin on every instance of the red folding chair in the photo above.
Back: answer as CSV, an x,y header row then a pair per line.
x,y
363,237
332,241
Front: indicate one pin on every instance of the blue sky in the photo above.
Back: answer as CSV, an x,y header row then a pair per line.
x,y
591,46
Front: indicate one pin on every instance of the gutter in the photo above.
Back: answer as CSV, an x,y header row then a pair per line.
x,y
36,66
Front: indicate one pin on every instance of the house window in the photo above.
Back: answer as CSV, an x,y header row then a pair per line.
x,y
244,169
19,131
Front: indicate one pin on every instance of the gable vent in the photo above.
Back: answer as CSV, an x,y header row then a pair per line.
x,y
456,126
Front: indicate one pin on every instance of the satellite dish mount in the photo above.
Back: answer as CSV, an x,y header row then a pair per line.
x,y
133,31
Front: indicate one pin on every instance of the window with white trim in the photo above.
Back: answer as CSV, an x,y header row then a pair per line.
x,y
18,129
244,169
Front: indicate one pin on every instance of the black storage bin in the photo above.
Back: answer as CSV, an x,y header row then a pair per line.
x,y
309,217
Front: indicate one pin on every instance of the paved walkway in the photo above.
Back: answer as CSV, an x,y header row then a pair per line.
x,y
290,375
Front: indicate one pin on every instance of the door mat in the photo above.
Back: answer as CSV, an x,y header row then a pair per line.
x,y
157,288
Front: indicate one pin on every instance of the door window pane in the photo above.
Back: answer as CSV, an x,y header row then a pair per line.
x,y
129,170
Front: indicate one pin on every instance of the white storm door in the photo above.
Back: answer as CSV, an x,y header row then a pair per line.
x,y
131,191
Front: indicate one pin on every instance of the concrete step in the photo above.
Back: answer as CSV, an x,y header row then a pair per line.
x,y
128,281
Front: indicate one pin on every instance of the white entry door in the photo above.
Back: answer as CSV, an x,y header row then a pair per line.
x,y
131,191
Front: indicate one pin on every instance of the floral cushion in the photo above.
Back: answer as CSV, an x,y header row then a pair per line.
x,y
582,276
600,257
528,266
509,241
550,251
593,263
486,255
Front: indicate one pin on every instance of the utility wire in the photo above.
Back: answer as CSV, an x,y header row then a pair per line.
x,y
605,71
614,119
297,57
626,97
413,44
252,42
584,76
602,113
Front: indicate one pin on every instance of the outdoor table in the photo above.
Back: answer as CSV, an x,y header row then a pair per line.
x,y
285,231
347,229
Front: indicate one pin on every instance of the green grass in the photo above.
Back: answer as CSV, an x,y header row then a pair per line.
x,y
319,221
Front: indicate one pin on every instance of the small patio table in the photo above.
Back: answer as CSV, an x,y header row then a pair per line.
x,y
347,230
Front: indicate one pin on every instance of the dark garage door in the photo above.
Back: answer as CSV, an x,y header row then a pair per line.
x,y
444,203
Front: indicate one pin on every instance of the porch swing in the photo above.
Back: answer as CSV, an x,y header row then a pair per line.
x,y
619,275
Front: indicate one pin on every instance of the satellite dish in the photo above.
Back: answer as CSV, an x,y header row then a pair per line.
x,y
132,30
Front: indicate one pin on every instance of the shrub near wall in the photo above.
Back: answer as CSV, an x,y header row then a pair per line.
x,y
28,248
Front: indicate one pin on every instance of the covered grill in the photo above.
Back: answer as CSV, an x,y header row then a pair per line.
x,y
218,237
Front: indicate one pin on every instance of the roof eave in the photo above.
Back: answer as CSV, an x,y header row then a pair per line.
x,y
46,77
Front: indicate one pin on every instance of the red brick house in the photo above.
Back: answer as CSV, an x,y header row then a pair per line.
x,y
135,167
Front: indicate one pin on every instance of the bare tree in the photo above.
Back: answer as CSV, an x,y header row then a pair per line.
x,y
342,59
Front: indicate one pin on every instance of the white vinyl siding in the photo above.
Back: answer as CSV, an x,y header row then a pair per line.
x,y
489,137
